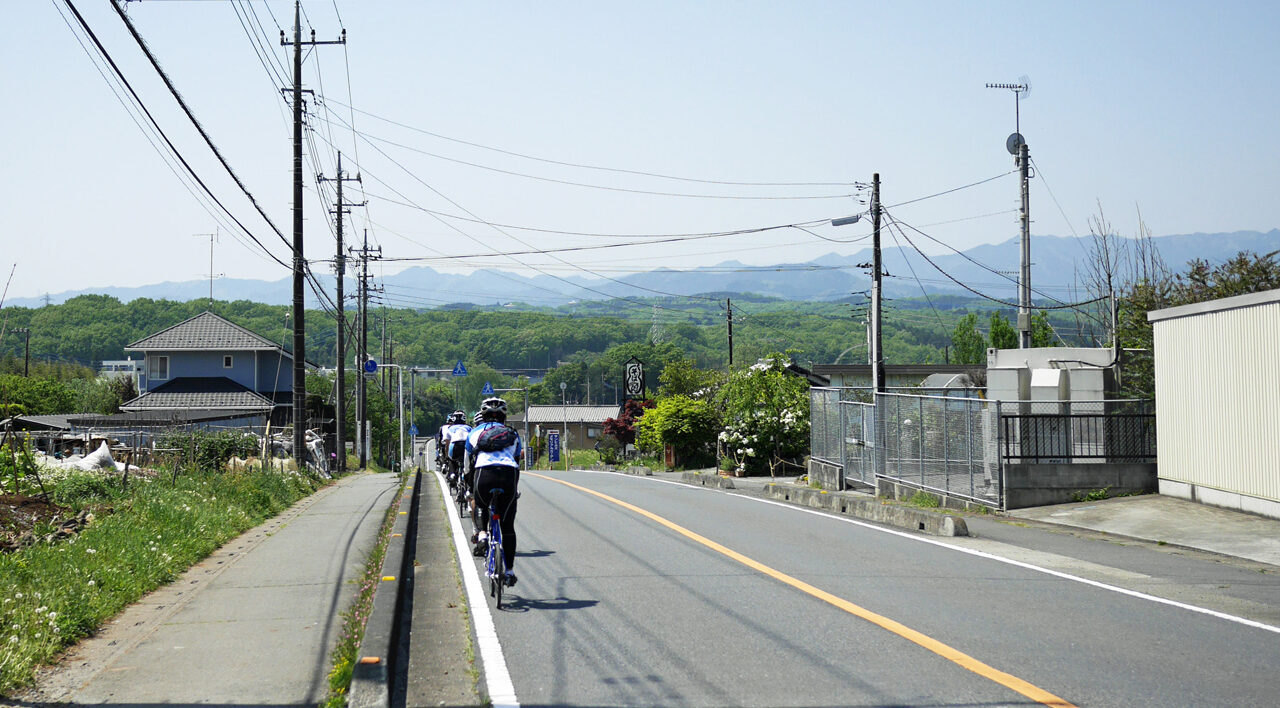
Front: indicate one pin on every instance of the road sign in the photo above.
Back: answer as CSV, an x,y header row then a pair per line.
x,y
459,369
413,431
371,367
553,445
488,389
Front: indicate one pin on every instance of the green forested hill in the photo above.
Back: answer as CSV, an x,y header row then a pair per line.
x,y
90,328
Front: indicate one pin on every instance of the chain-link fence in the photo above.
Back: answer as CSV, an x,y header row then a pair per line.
x,y
826,428
938,443
858,421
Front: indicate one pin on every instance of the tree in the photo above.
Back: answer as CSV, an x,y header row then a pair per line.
x,y
968,344
682,378
1042,334
1003,335
623,428
687,425
766,415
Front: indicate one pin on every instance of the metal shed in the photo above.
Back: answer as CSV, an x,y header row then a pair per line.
x,y
1218,401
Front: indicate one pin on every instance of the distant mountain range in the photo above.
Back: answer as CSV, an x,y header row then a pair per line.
x,y
989,269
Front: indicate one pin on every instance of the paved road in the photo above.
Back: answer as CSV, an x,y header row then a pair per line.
x,y
616,608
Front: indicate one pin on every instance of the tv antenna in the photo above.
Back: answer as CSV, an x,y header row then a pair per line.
x,y
1020,90
213,237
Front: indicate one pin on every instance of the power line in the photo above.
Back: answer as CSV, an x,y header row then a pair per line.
x,y
597,167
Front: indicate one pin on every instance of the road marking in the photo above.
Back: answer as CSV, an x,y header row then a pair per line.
x,y
983,554
502,692
952,654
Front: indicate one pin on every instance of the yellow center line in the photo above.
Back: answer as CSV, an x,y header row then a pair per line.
x,y
1009,681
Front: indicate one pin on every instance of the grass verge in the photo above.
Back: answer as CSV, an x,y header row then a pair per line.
x,y
343,656
52,595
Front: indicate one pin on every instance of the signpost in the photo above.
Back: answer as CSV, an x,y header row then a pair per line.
x,y
459,369
487,390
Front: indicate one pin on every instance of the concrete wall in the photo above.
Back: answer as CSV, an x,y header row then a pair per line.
x,y
1028,485
826,474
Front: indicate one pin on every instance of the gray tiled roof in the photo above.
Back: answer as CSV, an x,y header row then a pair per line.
x,y
199,393
575,414
204,331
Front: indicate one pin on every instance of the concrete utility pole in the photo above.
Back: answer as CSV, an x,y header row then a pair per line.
x,y
340,267
877,291
362,414
299,259
1024,280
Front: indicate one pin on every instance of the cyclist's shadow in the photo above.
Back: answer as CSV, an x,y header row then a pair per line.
x,y
516,603
534,554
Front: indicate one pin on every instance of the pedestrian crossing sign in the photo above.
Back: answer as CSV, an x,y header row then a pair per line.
x,y
459,369
488,389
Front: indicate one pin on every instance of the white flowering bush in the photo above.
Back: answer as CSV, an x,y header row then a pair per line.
x,y
766,417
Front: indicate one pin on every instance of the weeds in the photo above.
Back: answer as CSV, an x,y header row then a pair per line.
x,y
925,500
355,616
1095,495
51,595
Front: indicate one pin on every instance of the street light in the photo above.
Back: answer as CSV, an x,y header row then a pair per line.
x,y
564,409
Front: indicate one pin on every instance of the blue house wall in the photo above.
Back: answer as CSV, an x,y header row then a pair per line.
x,y
261,371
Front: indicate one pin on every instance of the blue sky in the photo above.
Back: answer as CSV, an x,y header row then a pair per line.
x,y
1166,107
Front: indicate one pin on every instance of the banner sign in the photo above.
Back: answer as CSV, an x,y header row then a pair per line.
x,y
553,445
633,378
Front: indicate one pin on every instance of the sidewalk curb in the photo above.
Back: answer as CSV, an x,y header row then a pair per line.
x,y
377,659
707,480
930,522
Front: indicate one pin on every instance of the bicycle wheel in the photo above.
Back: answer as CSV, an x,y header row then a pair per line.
x,y
496,564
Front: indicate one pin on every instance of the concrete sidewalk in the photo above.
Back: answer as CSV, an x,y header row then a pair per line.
x,y
253,624
1148,517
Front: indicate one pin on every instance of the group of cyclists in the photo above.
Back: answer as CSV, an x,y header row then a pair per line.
x,y
481,463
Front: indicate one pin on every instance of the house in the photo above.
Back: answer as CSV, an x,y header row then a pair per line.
x,y
584,423
214,366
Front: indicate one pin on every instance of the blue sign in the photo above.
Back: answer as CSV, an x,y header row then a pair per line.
x,y
413,431
553,445
459,369
488,389
371,366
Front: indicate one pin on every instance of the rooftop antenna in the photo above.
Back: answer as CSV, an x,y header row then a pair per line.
x,y
215,236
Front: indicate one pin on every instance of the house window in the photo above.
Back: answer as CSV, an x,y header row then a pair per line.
x,y
159,370
592,432
226,362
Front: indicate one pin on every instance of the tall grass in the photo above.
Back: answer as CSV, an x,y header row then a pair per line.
x,y
51,595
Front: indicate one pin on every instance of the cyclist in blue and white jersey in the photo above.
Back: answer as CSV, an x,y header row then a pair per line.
x,y
495,469
455,439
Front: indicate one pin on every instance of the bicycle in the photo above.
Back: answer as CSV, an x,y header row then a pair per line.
x,y
494,565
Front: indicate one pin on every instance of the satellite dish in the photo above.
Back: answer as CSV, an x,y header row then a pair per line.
x,y
1014,143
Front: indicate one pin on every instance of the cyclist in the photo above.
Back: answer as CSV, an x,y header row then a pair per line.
x,y
454,435
495,469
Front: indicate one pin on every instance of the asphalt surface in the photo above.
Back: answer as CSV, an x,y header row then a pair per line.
x,y
253,624
614,608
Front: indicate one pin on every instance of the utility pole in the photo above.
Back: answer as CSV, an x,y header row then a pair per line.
x,y
26,356
362,306
877,292
299,259
212,237
729,307
1017,146
340,267
1024,281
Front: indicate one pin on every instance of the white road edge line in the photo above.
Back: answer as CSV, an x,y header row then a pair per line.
x,y
981,554
502,692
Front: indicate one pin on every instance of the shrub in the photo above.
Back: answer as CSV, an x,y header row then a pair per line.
x,y
210,450
687,425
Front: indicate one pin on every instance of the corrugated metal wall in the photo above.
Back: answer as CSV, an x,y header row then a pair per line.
x,y
1218,399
